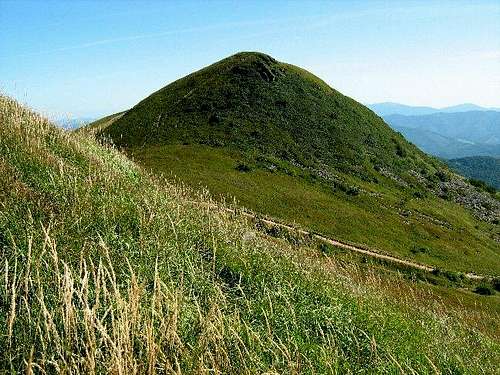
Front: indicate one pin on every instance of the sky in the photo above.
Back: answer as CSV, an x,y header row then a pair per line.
x,y
90,58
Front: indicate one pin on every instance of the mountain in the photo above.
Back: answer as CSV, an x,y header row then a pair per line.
x,y
389,108
445,147
481,168
452,135
466,107
109,269
481,127
251,102
74,123
471,136
286,145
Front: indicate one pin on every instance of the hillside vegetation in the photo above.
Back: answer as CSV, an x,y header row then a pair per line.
x,y
286,145
106,269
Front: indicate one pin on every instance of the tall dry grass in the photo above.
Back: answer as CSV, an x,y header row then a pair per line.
x,y
106,269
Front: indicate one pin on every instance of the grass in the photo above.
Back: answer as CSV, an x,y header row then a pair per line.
x,y
428,230
106,269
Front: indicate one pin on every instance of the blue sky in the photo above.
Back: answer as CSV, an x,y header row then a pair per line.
x,y
75,58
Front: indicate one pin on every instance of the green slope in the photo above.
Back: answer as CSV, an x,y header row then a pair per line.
x,y
102,123
386,218
313,156
108,270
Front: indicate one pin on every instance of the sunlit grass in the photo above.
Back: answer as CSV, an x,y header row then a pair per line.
x,y
428,230
106,269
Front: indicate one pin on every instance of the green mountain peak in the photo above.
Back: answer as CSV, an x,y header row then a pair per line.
x,y
253,103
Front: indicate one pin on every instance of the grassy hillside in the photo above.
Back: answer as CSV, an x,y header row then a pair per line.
x,y
103,122
380,215
285,144
107,269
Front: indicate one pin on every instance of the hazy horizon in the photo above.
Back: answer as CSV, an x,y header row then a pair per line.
x,y
95,58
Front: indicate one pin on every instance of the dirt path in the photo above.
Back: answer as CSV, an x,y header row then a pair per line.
x,y
337,243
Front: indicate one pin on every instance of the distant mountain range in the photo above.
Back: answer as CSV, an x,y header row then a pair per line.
x,y
468,127
452,135
74,123
482,168
446,147
389,108
466,134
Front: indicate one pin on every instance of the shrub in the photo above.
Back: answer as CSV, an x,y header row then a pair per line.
x,y
242,167
441,176
437,272
416,250
353,190
419,194
325,249
482,185
214,119
485,290
400,151
454,277
496,283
